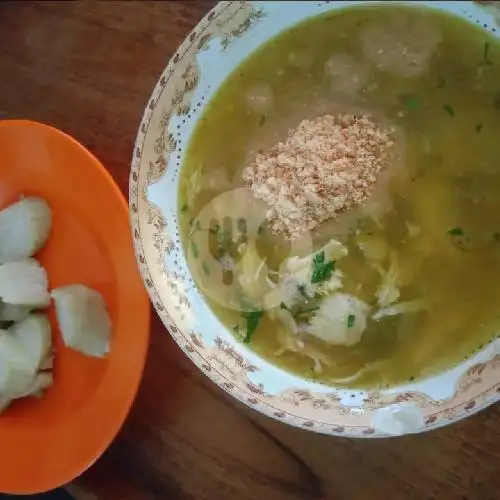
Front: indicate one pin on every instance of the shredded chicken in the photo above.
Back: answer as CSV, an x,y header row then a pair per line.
x,y
410,306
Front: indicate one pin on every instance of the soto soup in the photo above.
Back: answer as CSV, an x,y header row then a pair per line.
x,y
350,170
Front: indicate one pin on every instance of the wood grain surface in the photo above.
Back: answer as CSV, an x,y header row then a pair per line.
x,y
88,68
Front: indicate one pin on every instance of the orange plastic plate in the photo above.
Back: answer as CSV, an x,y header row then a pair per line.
x,y
47,442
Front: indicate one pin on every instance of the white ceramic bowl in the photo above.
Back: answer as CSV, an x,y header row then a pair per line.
x,y
225,37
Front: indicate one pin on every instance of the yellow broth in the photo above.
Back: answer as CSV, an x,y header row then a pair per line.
x,y
447,185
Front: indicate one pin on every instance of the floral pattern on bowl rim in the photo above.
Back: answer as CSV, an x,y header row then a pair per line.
x,y
227,34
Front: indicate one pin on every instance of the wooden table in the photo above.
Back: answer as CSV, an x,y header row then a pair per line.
x,y
88,68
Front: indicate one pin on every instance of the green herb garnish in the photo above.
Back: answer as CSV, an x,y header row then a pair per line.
x,y
322,271
458,239
351,319
411,102
479,127
205,268
194,249
449,109
456,231
252,318
486,53
184,208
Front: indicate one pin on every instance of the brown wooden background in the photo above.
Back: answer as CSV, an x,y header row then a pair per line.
x,y
88,68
